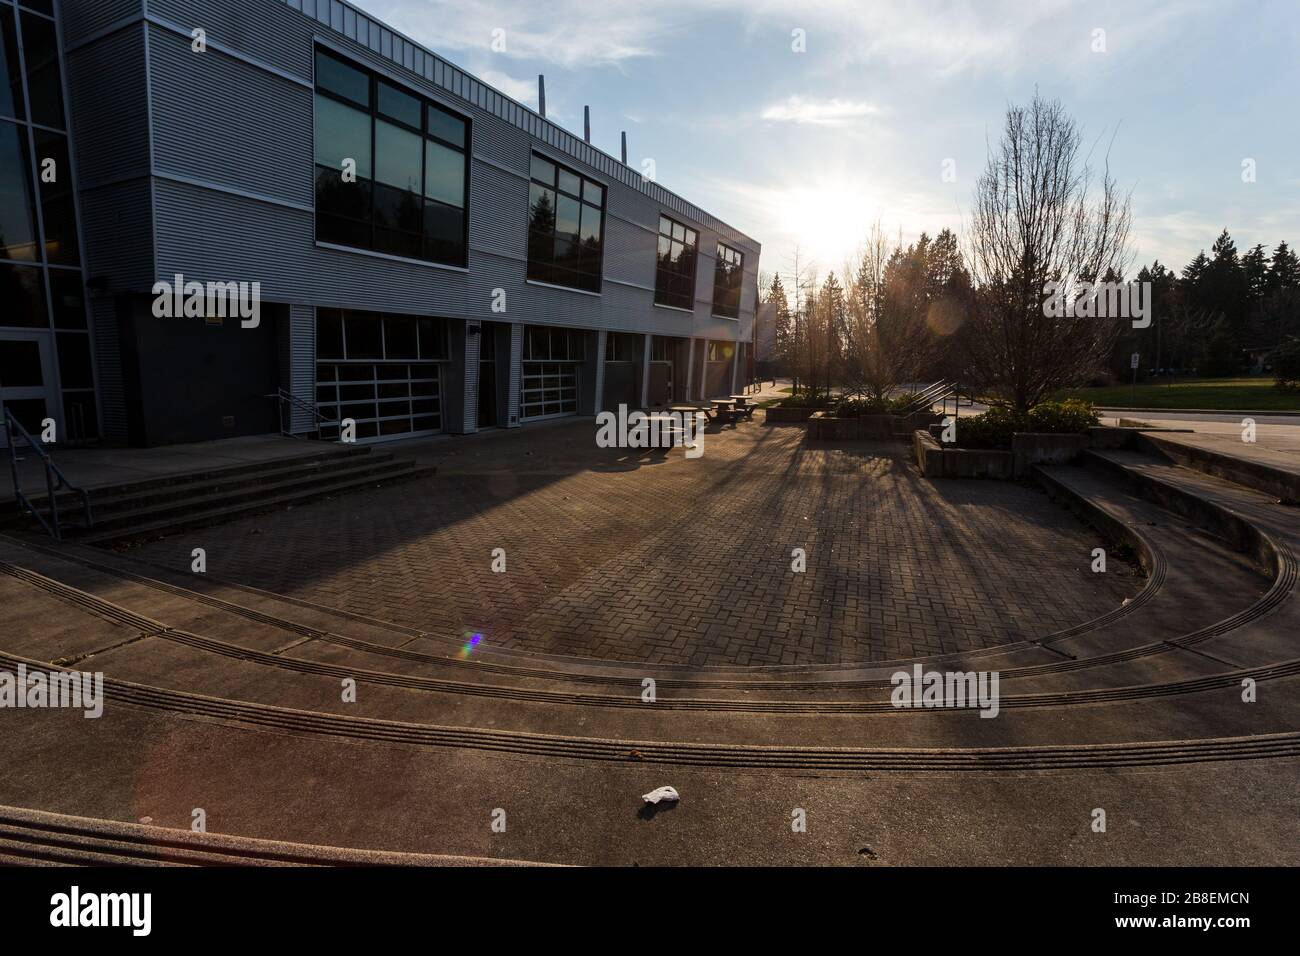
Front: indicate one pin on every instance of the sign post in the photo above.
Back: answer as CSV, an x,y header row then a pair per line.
x,y
1133,364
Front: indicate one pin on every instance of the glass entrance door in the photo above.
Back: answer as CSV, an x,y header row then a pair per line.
x,y
28,386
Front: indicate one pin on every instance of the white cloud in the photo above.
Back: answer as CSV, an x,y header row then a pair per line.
x,y
568,33
818,112
524,91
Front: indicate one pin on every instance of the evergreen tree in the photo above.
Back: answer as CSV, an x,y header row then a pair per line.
x,y
1195,270
1254,268
1284,270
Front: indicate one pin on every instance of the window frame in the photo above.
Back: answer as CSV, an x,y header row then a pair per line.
x,y
661,293
583,180
740,283
374,79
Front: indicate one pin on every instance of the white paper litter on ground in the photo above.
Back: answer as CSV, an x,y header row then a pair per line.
x,y
663,793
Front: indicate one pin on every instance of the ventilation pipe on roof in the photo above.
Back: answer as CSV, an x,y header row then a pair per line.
x,y
586,123
624,147
541,95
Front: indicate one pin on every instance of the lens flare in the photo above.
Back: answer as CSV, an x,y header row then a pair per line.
x,y
472,641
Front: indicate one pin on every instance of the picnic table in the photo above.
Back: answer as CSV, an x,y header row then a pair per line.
x,y
725,410
667,427
744,405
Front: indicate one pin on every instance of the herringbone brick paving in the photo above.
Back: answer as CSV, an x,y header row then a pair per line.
x,y
614,555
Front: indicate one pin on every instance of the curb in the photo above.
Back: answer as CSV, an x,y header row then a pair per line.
x,y
1194,411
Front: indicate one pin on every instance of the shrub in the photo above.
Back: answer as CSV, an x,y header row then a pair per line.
x,y
1070,417
857,407
805,399
1285,360
994,428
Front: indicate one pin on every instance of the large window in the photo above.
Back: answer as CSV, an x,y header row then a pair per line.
x,y
381,370
41,285
566,226
728,274
391,169
621,346
550,372
675,269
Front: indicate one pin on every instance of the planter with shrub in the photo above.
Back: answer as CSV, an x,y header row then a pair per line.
x,y
1003,443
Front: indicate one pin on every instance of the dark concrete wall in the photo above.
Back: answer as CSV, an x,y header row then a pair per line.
x,y
183,377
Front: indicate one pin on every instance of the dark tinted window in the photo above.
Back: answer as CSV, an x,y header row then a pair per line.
x,y
447,127
44,85
329,334
20,366
67,299
17,211
566,218
675,265
728,275
54,181
11,80
364,335
22,291
343,80
74,360
400,337
399,105
410,200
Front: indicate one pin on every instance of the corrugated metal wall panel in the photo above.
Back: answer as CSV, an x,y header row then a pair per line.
x,y
209,235
83,18
262,30
516,370
106,92
472,343
302,364
119,239
602,336
214,118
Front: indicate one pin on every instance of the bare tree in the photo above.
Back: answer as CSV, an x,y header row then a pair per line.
x,y
888,299
1035,222
799,355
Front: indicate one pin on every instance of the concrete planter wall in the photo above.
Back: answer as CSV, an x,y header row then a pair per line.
x,y
824,426
1030,448
1027,449
787,416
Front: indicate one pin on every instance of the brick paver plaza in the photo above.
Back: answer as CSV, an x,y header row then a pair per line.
x,y
612,554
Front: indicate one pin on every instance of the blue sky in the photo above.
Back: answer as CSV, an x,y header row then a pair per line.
x,y
811,148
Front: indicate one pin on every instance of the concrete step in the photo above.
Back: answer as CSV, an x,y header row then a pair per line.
x,y
147,524
1272,473
183,482
136,509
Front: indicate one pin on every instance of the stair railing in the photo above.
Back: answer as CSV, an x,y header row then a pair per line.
x,y
288,402
924,400
55,480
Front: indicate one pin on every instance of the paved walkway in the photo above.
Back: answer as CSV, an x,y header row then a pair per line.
x,y
612,555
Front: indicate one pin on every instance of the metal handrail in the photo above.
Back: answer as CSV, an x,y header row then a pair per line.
x,y
928,396
53,527
292,400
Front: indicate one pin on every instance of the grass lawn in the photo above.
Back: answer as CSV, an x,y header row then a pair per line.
x,y
1235,394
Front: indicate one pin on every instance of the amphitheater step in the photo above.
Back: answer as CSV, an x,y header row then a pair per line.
x,y
1272,472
